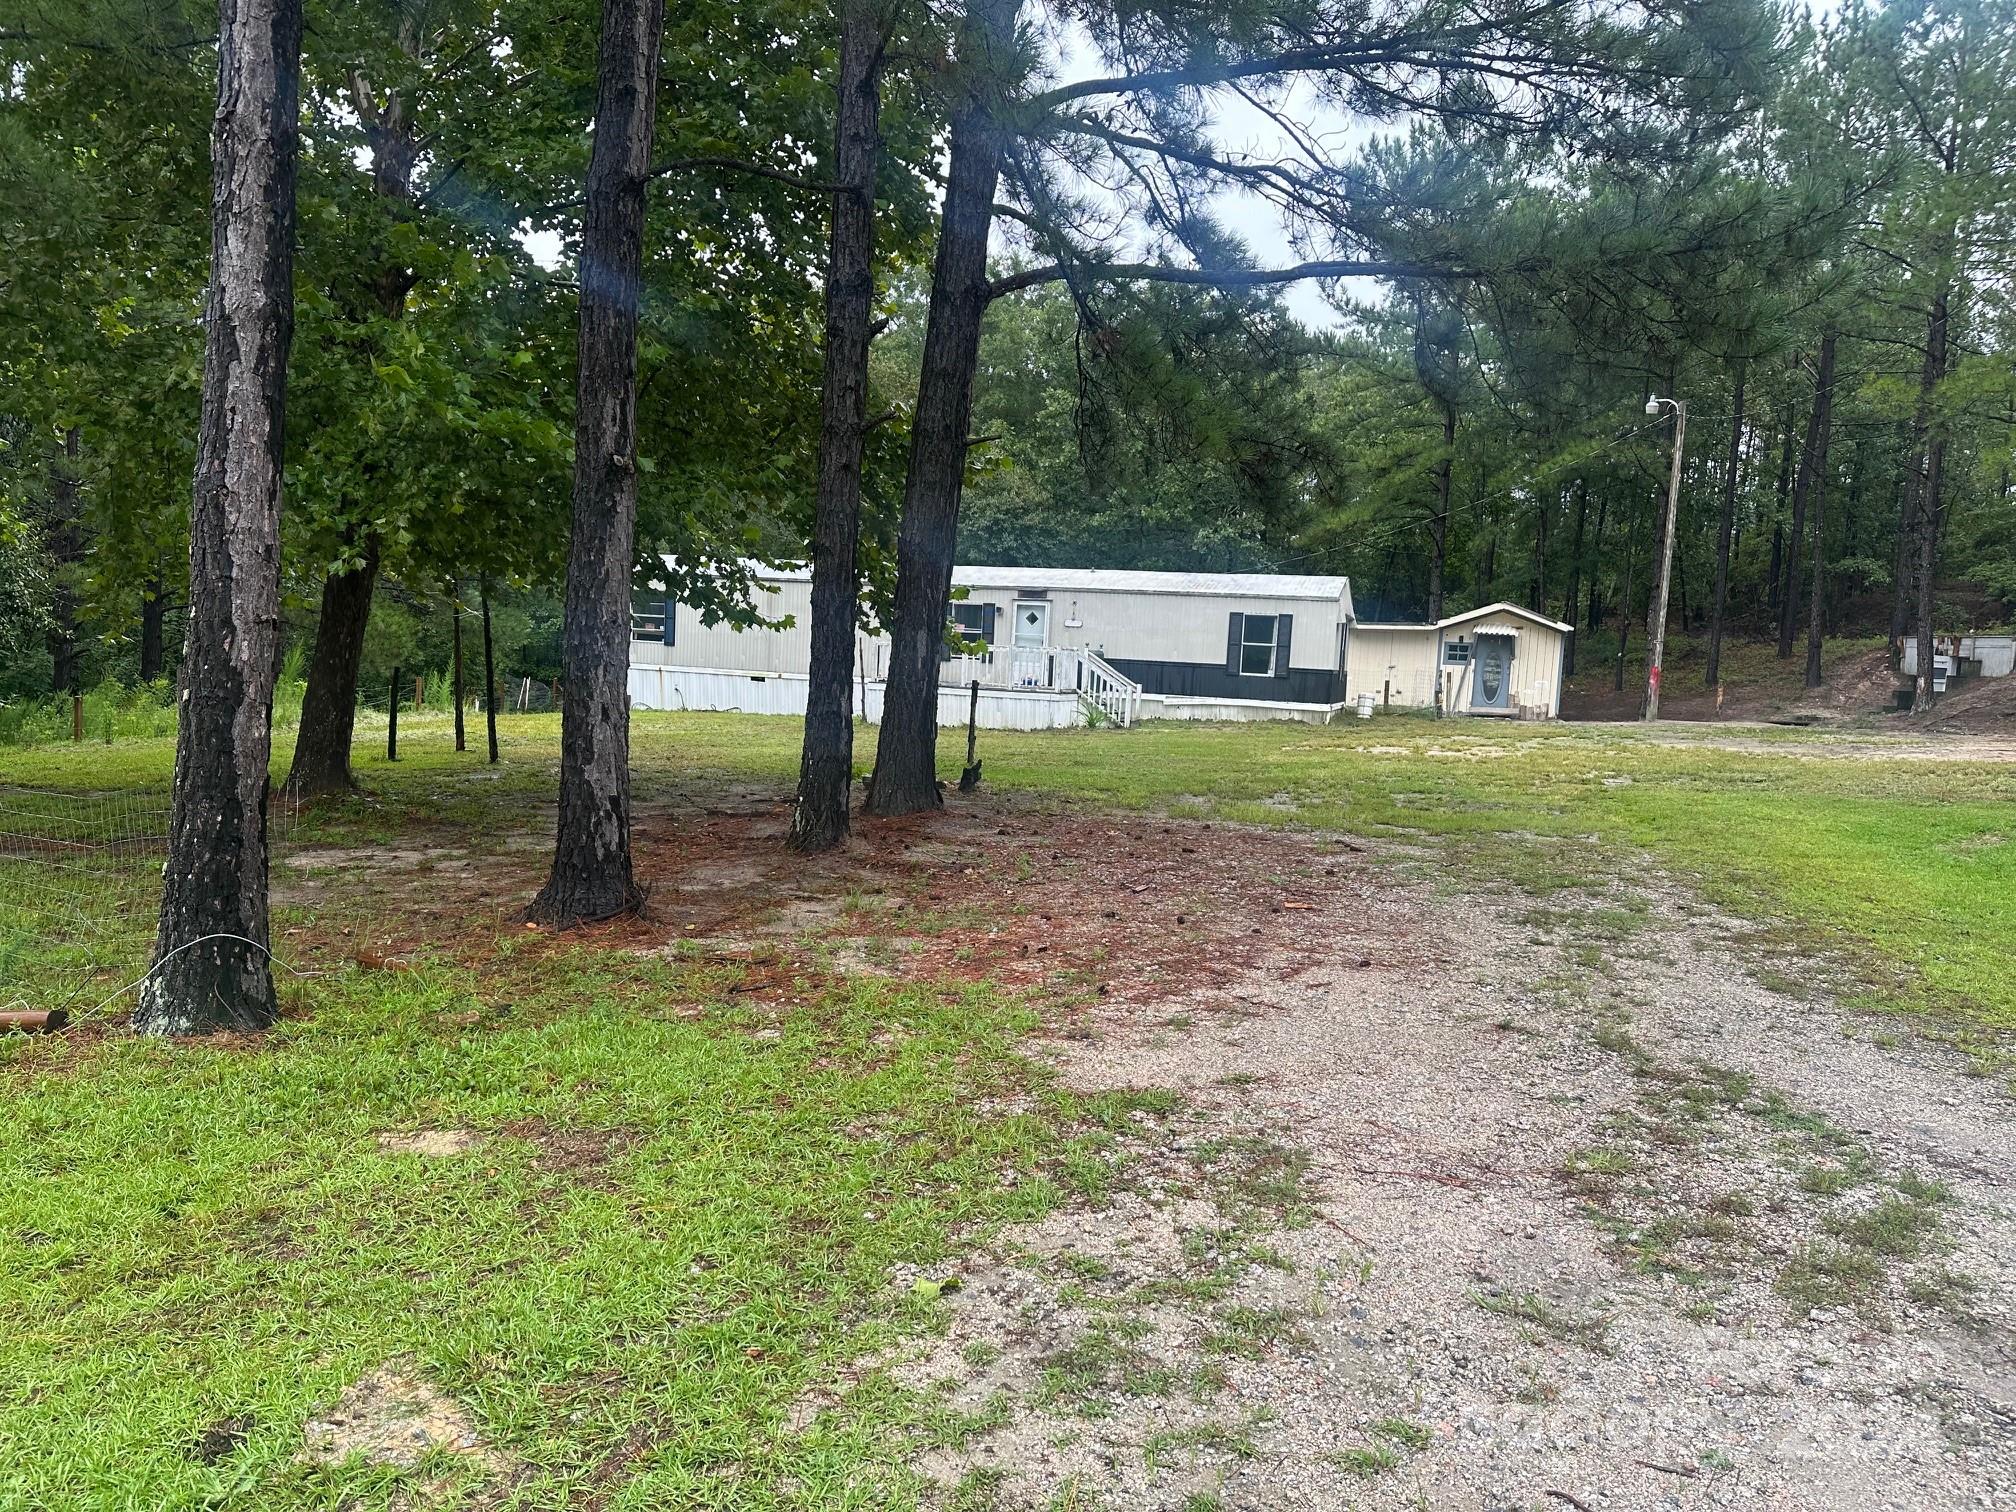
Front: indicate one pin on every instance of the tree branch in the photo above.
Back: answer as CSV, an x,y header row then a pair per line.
x,y
690,165
1222,278
736,165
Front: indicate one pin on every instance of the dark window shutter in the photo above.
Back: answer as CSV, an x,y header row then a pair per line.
x,y
1284,630
671,622
987,623
1235,632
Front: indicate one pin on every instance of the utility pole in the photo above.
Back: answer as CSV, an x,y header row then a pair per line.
x,y
1657,629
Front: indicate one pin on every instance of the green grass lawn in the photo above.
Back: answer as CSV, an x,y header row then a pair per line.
x,y
684,1213
689,1206
1907,863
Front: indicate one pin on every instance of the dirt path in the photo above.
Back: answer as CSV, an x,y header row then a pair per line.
x,y
1489,1209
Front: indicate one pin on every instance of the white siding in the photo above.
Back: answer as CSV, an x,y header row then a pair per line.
x,y
1169,627
1536,664
1166,627
696,689
1400,665
1394,663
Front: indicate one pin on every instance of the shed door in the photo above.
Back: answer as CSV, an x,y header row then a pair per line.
x,y
1491,677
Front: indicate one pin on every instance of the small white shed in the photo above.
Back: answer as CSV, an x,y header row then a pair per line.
x,y
1499,660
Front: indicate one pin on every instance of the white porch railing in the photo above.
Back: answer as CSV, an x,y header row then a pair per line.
x,y
1104,693
1101,687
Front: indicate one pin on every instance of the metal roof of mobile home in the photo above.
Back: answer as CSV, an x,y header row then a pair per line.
x,y
1278,585
1119,580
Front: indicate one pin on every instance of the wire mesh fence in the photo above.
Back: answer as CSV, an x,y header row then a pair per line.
x,y
80,884
80,869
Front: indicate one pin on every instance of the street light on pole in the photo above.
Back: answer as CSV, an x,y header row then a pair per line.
x,y
1657,629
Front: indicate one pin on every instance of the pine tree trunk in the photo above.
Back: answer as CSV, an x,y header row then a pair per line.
x,y
1439,529
1596,563
1538,596
1624,602
328,724
1781,568
1802,487
214,882
591,877
826,768
1930,511
906,770
1574,593
1901,600
1726,529
1823,422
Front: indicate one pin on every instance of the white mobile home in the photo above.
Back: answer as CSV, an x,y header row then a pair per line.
x,y
1053,647
1048,645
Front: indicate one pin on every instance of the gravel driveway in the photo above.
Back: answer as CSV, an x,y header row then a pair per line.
x,y
1489,1204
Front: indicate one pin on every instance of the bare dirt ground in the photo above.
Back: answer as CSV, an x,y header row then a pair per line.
x,y
1859,684
1461,1201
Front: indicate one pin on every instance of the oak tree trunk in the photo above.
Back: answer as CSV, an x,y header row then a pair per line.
x,y
1823,420
826,770
591,877
211,968
321,762
455,631
1726,531
906,777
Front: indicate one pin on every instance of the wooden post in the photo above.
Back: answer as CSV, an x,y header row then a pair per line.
x,y
455,604
420,692
392,720
76,716
489,679
970,778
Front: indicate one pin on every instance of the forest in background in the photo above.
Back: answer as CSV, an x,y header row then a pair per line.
x,y
1823,278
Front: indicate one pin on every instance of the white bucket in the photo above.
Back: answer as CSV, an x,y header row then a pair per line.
x,y
1365,705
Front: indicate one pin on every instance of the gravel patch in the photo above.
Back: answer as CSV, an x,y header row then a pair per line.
x,y
1528,1216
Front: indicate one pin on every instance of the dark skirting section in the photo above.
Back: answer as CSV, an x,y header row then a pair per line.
x,y
1313,685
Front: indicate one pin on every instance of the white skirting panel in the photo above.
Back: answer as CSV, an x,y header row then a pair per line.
x,y
784,693
1168,706
1000,708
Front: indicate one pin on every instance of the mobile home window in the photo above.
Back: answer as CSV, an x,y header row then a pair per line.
x,y
650,618
974,622
1456,652
1256,647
